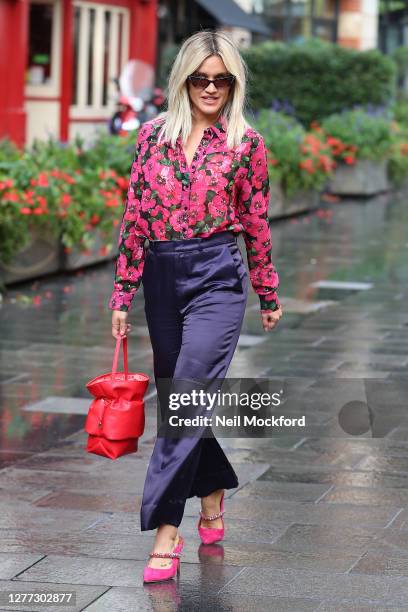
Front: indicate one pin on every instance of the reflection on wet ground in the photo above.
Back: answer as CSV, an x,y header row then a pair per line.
x,y
319,521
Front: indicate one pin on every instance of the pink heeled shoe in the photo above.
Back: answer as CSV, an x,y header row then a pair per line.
x,y
209,535
152,574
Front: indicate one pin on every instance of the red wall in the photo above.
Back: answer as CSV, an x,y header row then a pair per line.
x,y
143,28
13,50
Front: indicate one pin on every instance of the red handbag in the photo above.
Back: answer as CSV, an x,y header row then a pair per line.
x,y
116,418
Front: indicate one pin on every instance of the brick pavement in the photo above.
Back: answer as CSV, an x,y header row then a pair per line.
x,y
319,521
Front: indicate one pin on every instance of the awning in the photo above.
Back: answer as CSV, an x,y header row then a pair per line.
x,y
229,13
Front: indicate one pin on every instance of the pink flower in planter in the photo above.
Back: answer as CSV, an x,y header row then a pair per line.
x,y
65,199
350,160
111,202
307,165
6,184
122,183
11,196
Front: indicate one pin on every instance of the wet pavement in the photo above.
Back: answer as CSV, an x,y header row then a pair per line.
x,y
319,521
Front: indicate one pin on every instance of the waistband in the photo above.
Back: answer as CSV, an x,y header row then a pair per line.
x,y
198,243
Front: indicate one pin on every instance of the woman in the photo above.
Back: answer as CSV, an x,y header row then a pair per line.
x,y
199,177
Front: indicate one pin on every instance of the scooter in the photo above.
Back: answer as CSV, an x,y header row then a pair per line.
x,y
137,98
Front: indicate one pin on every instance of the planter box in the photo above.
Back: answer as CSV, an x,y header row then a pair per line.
x,y
76,259
364,178
39,257
282,206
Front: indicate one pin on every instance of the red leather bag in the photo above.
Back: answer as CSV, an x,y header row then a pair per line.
x,y
116,418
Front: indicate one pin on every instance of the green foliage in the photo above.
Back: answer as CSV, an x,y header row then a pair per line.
x,y
298,160
64,189
370,134
400,110
400,56
318,78
168,57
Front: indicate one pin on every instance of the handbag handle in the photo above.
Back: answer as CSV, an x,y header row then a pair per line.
x,y
116,356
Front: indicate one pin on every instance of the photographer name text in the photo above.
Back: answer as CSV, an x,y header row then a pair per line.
x,y
236,421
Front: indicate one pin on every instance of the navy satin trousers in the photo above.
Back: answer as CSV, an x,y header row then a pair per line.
x,y
195,293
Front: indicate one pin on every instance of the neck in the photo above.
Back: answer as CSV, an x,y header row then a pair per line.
x,y
204,121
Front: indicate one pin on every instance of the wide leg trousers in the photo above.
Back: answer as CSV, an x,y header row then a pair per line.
x,y
195,293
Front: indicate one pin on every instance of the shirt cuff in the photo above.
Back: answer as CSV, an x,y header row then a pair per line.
x,y
269,302
120,300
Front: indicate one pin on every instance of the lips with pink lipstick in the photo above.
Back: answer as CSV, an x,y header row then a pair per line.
x,y
209,99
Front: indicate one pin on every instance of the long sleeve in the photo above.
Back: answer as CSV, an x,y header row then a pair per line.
x,y
253,203
130,261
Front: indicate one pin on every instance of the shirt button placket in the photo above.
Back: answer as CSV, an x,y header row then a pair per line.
x,y
204,142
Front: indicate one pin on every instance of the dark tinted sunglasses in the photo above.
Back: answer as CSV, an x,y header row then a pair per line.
x,y
200,82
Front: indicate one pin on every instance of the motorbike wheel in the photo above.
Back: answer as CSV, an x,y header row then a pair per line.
x,y
115,123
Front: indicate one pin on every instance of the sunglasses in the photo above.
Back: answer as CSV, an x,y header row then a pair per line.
x,y
200,82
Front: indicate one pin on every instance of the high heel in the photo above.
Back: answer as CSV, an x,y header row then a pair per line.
x,y
152,574
207,534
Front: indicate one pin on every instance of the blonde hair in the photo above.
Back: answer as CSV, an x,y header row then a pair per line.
x,y
177,119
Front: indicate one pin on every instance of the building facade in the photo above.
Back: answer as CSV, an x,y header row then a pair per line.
x,y
349,23
58,59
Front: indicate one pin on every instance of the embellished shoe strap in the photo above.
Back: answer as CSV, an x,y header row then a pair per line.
x,y
165,555
212,517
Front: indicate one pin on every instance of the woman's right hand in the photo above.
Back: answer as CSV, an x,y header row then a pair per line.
x,y
120,326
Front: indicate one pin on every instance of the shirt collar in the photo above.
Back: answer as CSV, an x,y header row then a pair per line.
x,y
219,127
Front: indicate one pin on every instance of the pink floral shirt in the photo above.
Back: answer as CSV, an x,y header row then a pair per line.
x,y
224,189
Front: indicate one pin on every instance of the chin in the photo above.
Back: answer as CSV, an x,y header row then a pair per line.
x,y
210,110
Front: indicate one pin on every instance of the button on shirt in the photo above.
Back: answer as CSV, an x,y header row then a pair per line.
x,y
223,189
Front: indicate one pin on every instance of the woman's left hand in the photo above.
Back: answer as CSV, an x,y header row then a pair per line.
x,y
270,318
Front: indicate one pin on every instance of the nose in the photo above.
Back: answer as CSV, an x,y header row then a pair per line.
x,y
211,88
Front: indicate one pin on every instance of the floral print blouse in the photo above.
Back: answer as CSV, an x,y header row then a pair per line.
x,y
224,189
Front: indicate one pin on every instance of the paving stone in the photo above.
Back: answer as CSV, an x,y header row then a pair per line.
x,y
328,607
385,463
13,564
387,564
118,572
314,538
20,478
23,515
320,513
103,502
334,475
365,446
129,524
295,491
302,457
169,598
333,587
84,595
10,496
366,496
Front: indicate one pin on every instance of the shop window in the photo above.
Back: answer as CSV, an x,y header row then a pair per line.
x,y
40,36
100,51
296,20
43,46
